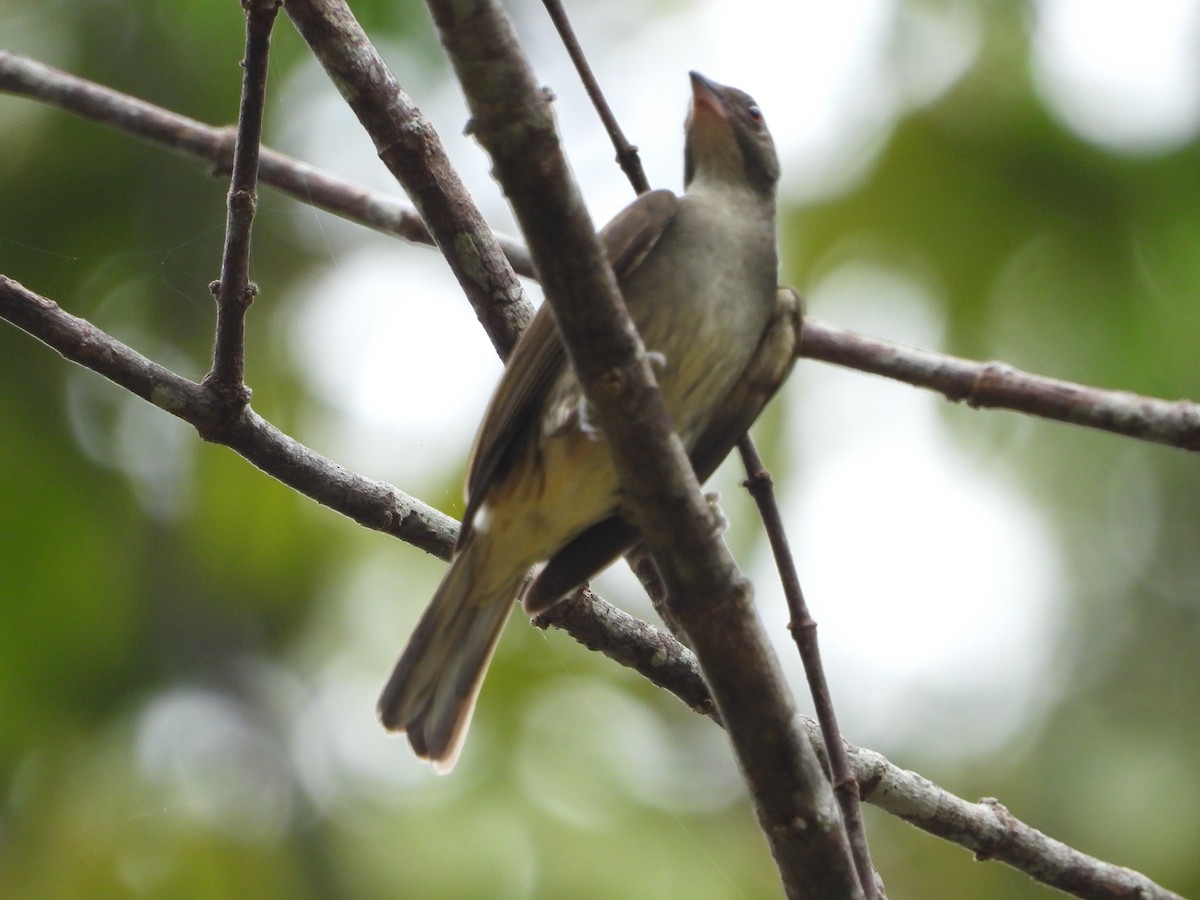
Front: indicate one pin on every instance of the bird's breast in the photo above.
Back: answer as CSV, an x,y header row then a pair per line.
x,y
702,299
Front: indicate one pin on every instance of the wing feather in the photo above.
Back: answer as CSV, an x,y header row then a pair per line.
x,y
539,359
596,548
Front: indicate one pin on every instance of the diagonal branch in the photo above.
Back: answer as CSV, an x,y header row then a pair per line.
x,y
627,153
374,504
411,149
371,503
993,833
790,794
26,77
804,631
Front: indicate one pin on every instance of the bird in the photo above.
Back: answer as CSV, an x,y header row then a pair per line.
x,y
699,276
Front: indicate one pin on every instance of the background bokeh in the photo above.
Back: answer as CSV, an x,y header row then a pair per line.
x,y
189,652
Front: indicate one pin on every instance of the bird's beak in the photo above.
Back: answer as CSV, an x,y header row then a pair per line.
x,y
706,101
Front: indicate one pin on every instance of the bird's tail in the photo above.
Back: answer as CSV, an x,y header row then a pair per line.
x,y
433,687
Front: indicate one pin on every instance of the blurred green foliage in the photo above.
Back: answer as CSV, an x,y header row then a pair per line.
x,y
151,583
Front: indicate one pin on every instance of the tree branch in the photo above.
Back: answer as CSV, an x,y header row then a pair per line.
x,y
804,631
759,483
410,148
25,77
371,503
234,291
791,795
627,153
993,833
654,654
374,504
996,385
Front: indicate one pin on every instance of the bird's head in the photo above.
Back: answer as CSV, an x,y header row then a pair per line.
x,y
727,142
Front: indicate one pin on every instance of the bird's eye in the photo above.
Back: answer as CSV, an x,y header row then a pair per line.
x,y
754,113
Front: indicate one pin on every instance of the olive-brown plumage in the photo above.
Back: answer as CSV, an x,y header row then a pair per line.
x,y
698,274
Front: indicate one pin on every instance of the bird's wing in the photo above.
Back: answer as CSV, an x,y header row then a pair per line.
x,y
635,230
767,371
596,548
539,358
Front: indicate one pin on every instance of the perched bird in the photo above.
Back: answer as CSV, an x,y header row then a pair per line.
x,y
698,274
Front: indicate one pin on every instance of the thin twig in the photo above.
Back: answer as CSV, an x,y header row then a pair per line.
x,y
234,291
371,503
26,77
977,826
759,483
996,385
627,153
804,631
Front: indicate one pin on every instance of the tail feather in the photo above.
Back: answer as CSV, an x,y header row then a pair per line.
x,y
432,689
